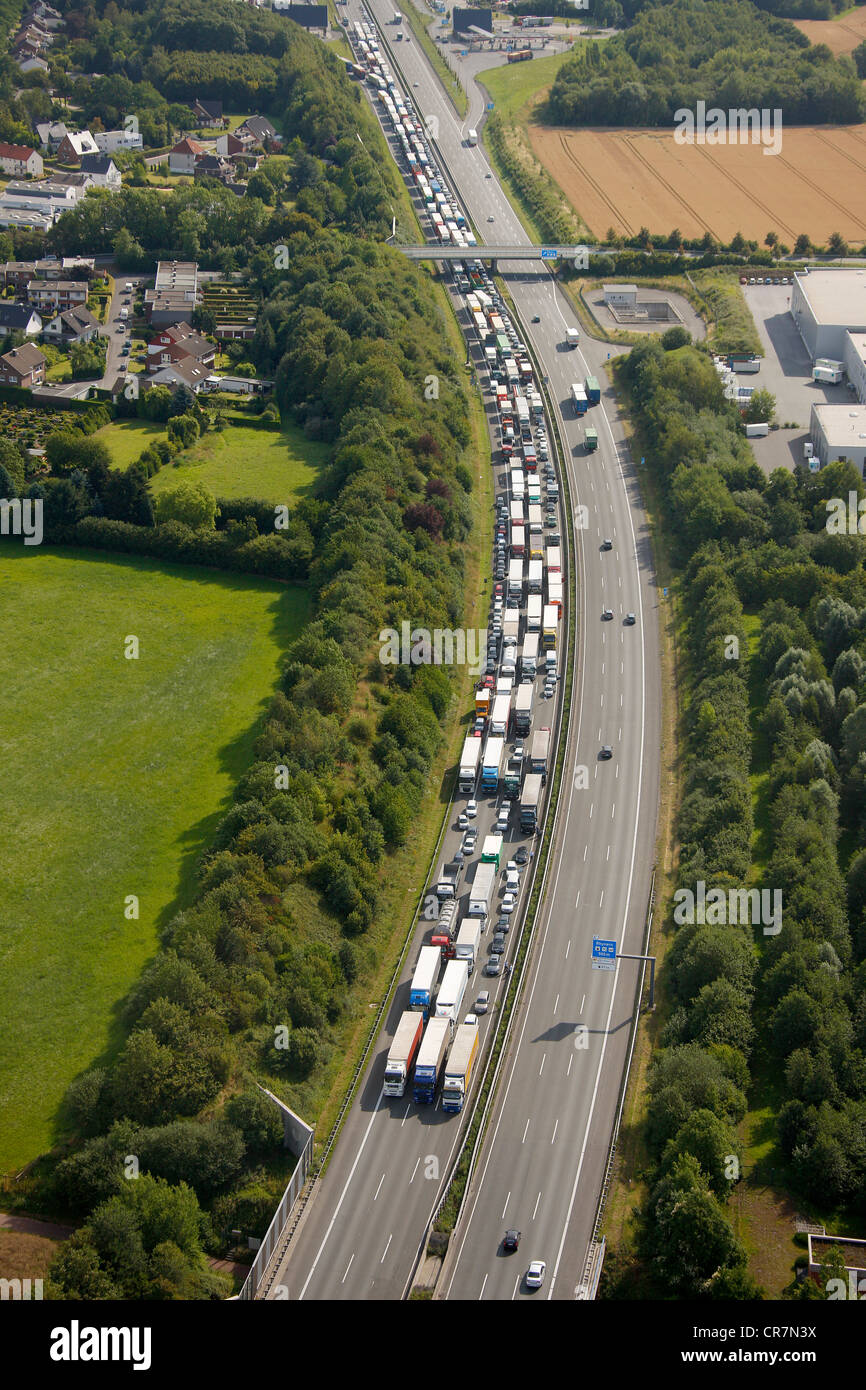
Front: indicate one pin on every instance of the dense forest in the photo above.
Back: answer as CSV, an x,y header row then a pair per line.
x,y
726,53
619,12
245,986
775,698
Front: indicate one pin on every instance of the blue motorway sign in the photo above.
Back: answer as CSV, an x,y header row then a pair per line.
x,y
603,954
548,253
490,103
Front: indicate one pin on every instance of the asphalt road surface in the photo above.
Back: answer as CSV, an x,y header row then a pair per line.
x,y
544,1157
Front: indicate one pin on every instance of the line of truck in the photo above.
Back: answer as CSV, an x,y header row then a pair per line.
x,y
427,1048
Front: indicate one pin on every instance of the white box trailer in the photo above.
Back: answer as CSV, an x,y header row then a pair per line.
x,y
452,990
469,760
402,1052
533,613
481,890
468,941
499,715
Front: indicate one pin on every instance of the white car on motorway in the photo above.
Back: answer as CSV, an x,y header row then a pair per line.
x,y
535,1274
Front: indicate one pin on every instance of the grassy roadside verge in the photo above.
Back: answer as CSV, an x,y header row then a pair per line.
x,y
408,870
418,25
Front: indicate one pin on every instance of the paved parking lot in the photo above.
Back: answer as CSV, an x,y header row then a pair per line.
x,y
786,368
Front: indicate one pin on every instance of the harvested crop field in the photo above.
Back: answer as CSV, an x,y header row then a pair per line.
x,y
628,179
840,35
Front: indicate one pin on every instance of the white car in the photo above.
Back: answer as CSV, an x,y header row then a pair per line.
x,y
535,1274
508,903
471,1018
471,808
512,882
462,822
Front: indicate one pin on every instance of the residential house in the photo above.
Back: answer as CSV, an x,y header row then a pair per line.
x,y
75,144
187,372
209,113
179,343
51,134
259,130
72,326
18,274
23,366
33,65
213,166
45,15
229,145
110,141
102,169
57,295
19,318
182,158
20,160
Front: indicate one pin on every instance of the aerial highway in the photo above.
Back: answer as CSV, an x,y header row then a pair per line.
x,y
543,1160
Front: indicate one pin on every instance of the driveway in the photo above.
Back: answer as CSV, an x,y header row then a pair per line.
x,y
786,368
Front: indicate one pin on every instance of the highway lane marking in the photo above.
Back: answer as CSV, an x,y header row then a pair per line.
x,y
570,1060
535,1209
601,899
483,1286
541,1068
525,1129
585,848
406,1116
414,1170
591,810
556,1003
379,1188
343,1193
348,1267
613,811
553,1135
582,1002
385,1251
637,805
516,1287
505,1208
607,856
568,943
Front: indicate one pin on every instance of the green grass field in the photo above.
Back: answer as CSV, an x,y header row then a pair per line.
x,y
116,773
512,86
239,461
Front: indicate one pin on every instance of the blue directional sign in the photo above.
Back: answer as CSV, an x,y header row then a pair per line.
x,y
548,253
603,954
490,103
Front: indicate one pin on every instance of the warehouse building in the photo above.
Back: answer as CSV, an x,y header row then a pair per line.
x,y
839,432
827,304
854,358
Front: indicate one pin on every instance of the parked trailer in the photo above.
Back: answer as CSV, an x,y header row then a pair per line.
x,y
457,1076
549,626
490,765
743,362
593,390
529,657
553,560
452,989
401,1053
491,850
423,985
469,760
539,751
499,715
534,577
756,430
518,541
533,613
466,947
431,1056
530,799
481,890
523,710
515,577
554,593
578,398
520,55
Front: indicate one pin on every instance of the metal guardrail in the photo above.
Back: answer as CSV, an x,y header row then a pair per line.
x,y
281,1216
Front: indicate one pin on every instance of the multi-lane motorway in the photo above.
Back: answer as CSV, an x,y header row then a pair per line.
x,y
543,1160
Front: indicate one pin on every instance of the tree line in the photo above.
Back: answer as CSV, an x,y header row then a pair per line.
x,y
726,54
745,1009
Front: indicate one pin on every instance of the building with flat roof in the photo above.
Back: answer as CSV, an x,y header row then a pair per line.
x,y
827,304
624,296
839,432
174,294
854,358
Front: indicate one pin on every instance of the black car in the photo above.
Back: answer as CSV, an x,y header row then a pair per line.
x,y
511,1242
536,318
606,751
522,855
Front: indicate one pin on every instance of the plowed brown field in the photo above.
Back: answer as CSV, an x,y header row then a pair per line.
x,y
840,35
628,179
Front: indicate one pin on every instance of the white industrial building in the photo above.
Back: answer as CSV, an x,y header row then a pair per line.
x,y
839,432
854,359
620,296
825,306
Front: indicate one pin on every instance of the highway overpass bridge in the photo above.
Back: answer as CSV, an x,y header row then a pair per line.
x,y
578,255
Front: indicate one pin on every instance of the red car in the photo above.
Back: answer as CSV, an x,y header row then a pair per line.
x,y
486,683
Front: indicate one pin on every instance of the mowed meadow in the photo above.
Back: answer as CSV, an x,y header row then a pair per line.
x,y
116,773
628,179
